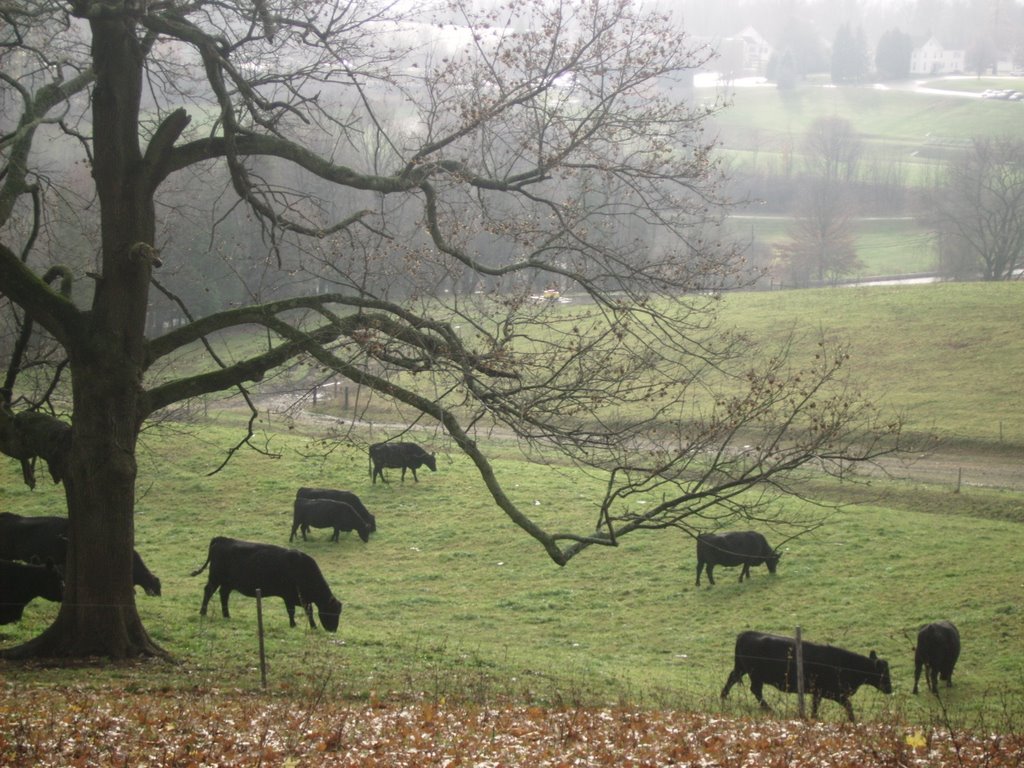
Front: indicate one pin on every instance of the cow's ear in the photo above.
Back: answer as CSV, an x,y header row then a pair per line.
x,y
873,656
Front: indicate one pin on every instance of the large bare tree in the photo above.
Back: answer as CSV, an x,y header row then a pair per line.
x,y
977,210
821,245
430,173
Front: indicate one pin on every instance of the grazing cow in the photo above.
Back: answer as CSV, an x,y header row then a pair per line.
x,y
328,513
20,583
399,456
45,537
829,672
24,538
277,572
938,648
744,548
346,496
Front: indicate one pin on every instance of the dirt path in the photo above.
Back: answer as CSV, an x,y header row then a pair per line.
x,y
995,467
1002,470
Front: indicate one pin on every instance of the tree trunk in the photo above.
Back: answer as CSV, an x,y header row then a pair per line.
x,y
98,615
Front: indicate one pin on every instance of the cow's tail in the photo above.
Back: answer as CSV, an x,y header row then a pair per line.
x,y
201,568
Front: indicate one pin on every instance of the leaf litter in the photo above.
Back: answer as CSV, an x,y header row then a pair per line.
x,y
76,727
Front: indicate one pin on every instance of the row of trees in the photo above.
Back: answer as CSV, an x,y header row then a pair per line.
x,y
865,39
973,206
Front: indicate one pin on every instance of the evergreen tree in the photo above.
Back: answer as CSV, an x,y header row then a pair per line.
x,y
848,56
892,59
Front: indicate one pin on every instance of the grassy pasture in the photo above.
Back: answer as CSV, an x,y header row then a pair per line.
x,y
891,115
908,134
450,601
885,246
950,357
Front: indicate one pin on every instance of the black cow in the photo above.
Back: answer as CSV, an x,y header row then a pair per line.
x,y
277,572
938,648
45,537
744,548
399,456
20,583
346,496
328,513
829,672
25,538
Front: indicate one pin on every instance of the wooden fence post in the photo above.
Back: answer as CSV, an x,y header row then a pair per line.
x,y
800,674
259,629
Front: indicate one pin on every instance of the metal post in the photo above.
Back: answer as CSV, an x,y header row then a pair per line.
x,y
800,674
259,627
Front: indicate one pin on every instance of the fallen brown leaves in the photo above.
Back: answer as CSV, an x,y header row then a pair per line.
x,y
81,727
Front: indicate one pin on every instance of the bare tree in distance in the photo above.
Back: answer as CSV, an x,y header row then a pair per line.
x,y
833,149
549,143
821,245
977,210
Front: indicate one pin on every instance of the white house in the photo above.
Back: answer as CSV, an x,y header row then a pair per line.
x,y
741,55
934,59
756,51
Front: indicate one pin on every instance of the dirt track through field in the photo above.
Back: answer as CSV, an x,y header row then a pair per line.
x,y
994,467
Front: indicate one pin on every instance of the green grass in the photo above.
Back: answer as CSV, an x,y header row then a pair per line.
x,y
885,246
948,356
450,600
766,116
973,84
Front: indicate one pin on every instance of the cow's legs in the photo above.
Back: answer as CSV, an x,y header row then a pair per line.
x,y
225,591
734,677
933,679
290,607
295,527
700,567
745,571
917,676
757,688
711,579
848,706
414,474
309,615
334,538
208,591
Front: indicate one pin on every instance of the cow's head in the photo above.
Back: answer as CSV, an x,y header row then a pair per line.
x,y
884,682
152,586
330,613
364,532
772,561
431,461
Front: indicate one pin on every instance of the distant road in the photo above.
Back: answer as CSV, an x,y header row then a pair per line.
x,y
714,79
785,217
984,466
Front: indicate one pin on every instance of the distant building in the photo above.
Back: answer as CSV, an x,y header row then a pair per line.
x,y
756,52
743,55
933,58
